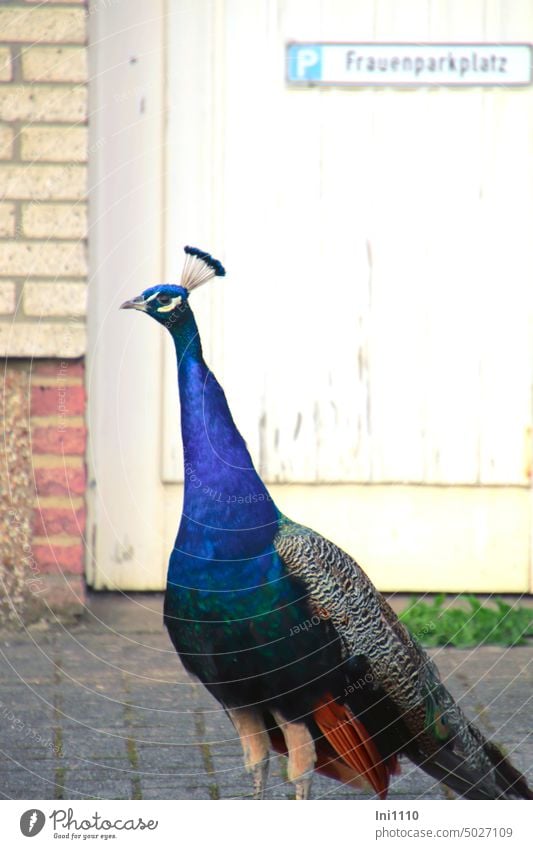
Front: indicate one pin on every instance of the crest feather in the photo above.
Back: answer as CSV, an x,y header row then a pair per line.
x,y
199,268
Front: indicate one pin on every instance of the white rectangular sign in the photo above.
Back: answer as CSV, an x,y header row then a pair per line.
x,y
409,64
147,824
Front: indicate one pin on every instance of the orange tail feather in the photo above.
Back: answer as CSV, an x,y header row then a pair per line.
x,y
349,738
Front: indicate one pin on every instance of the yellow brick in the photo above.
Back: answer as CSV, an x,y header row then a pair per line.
x,y
43,102
57,540
59,221
54,144
5,63
46,421
49,461
7,219
36,24
7,297
43,182
43,259
61,501
65,298
6,142
25,339
54,64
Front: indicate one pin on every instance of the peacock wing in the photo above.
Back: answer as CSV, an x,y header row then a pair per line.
x,y
439,737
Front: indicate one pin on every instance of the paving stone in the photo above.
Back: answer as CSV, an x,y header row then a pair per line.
x,y
134,724
29,783
95,790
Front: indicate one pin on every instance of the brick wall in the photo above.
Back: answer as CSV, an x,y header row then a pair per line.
x,y
43,270
57,405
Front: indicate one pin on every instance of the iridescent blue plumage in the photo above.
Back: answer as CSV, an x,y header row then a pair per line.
x,y
228,591
165,289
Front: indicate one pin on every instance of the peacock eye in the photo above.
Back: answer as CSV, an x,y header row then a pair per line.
x,y
164,299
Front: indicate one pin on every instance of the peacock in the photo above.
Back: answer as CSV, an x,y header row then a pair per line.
x,y
284,628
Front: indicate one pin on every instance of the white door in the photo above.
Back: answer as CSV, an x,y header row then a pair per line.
x,y
374,332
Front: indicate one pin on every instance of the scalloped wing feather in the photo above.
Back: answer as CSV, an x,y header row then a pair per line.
x,y
368,626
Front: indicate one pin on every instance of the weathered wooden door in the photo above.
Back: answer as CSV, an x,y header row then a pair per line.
x,y
374,332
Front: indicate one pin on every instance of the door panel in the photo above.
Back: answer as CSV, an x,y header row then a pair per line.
x,y
374,324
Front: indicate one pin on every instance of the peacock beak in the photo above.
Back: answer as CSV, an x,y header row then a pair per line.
x,y
135,304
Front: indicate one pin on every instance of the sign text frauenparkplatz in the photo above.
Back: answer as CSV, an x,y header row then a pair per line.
x,y
332,64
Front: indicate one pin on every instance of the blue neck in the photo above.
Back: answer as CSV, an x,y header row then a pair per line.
x,y
223,492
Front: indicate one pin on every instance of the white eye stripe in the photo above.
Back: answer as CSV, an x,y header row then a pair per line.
x,y
172,305
151,298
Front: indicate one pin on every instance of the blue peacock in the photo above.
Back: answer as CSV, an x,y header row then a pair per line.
x,y
346,697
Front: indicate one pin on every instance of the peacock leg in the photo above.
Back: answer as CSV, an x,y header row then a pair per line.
x,y
302,755
255,744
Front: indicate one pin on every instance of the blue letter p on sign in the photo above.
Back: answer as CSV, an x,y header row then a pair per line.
x,y
305,62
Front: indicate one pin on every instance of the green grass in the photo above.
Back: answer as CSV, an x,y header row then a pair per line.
x,y
470,622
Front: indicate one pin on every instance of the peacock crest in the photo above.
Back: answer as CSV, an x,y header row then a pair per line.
x,y
199,267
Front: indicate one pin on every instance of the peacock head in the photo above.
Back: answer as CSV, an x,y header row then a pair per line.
x,y
168,304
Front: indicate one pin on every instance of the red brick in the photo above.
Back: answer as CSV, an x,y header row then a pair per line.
x,y
57,400
50,521
58,368
59,558
53,440
60,481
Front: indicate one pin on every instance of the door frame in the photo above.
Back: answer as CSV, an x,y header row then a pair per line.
x,y
126,545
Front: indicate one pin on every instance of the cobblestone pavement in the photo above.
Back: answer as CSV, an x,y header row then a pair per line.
x,y
103,709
